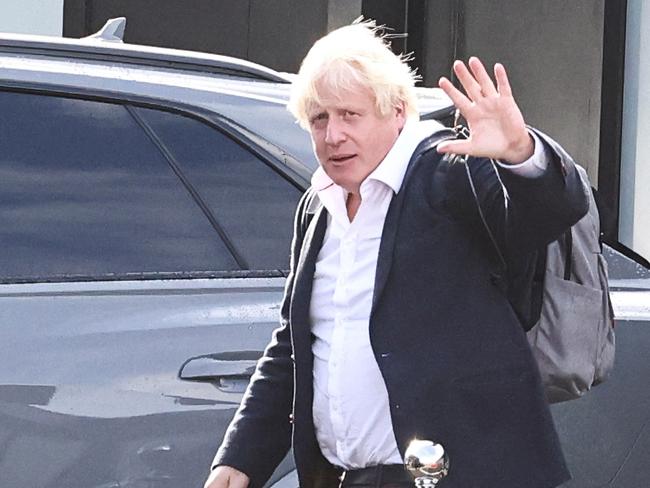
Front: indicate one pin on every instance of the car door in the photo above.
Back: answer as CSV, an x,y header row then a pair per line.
x,y
140,279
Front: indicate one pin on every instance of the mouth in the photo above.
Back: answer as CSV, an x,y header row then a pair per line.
x,y
340,159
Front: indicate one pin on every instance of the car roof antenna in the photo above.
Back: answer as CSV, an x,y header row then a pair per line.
x,y
113,30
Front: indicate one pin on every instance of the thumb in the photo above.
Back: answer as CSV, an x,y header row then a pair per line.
x,y
455,147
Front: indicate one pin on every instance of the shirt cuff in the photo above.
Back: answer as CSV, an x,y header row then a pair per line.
x,y
534,166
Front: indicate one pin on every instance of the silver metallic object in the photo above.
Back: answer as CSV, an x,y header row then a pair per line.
x,y
427,462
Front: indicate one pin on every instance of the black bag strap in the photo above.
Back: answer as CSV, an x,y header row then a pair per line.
x,y
568,253
463,133
307,215
482,216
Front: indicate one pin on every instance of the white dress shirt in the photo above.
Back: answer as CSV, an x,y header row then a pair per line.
x,y
351,409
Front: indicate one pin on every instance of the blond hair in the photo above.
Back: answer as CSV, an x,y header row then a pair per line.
x,y
350,57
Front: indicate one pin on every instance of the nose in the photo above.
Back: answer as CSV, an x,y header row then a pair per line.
x,y
334,134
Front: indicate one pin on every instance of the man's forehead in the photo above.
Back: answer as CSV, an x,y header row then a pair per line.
x,y
327,96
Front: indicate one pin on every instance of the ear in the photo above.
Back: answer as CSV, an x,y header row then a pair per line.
x,y
400,114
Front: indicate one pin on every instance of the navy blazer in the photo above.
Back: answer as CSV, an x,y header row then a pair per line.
x,y
450,348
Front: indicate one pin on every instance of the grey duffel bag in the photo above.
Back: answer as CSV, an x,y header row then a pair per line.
x,y
573,341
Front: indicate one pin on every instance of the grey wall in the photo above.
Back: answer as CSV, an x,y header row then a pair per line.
x,y
282,31
42,17
190,24
552,50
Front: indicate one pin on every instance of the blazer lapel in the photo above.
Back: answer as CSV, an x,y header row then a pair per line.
x,y
385,257
388,235
311,244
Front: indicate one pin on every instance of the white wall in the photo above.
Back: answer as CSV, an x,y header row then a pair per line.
x,y
43,17
634,213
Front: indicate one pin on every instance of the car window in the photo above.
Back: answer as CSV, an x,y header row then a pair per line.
x,y
250,200
273,122
84,191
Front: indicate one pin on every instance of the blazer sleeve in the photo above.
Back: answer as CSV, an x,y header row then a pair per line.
x,y
259,436
543,208
524,214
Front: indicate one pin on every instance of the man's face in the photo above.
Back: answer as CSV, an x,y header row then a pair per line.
x,y
350,137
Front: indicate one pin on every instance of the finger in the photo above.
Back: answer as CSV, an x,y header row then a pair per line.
x,y
238,480
484,80
226,477
216,480
471,86
503,85
460,100
455,147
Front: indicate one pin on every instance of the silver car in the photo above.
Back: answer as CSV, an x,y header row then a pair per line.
x,y
146,198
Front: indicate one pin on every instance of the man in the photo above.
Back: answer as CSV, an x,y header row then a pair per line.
x,y
395,322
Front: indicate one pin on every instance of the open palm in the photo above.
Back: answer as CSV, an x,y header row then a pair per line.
x,y
496,125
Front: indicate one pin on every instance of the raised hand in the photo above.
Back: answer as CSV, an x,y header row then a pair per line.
x,y
496,125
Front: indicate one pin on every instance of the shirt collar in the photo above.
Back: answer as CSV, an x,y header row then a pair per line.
x,y
392,169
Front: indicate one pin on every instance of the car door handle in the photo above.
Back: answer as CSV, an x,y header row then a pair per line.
x,y
228,370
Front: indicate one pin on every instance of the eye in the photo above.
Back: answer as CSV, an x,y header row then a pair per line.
x,y
318,119
349,114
